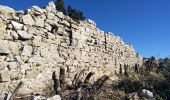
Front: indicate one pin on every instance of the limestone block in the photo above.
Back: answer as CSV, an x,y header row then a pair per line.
x,y
60,15
32,74
12,65
16,25
2,25
25,66
51,16
27,50
48,26
36,10
23,35
39,22
4,47
13,48
28,20
65,23
14,35
3,65
50,35
5,76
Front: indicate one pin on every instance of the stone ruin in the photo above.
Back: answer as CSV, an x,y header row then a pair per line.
x,y
36,42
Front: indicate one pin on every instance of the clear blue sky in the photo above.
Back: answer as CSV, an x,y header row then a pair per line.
x,y
143,23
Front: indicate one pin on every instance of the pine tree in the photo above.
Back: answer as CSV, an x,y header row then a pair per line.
x,y
60,6
75,14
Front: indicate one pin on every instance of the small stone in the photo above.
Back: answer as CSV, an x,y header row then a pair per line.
x,y
37,10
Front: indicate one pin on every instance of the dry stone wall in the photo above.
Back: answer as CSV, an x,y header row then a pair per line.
x,y
36,42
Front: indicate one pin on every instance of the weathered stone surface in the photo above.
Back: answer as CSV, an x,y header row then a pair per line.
x,y
65,23
60,14
13,47
27,50
37,10
50,35
12,65
16,25
2,25
39,22
4,47
14,35
28,20
5,76
3,65
23,35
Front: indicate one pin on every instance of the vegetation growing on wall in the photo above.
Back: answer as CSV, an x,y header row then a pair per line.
x,y
71,12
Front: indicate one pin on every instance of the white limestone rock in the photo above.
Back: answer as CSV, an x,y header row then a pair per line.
x,y
16,25
50,35
23,35
5,76
27,50
56,97
4,47
39,22
37,10
7,12
28,20
60,15
51,7
14,35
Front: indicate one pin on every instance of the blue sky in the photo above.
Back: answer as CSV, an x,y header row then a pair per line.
x,y
143,23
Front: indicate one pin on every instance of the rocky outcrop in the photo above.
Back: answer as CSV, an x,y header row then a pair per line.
x,y
37,42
